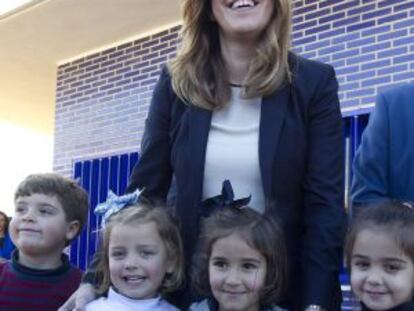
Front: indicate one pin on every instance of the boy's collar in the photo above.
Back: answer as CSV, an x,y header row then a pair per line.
x,y
19,268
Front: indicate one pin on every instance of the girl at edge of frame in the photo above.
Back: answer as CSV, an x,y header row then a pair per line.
x,y
380,256
6,244
240,263
141,260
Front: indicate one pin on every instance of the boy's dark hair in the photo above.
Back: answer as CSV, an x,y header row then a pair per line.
x,y
262,233
168,231
74,198
394,218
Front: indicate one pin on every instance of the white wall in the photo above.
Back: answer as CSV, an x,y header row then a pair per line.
x,y
23,152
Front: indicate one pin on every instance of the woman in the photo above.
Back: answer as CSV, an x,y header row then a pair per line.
x,y
235,104
6,245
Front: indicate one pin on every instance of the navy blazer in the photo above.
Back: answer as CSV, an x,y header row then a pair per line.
x,y
301,163
384,163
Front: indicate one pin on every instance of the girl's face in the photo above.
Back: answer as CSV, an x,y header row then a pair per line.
x,y
138,260
242,18
382,276
237,274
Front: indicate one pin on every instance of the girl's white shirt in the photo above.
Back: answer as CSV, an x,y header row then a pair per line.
x,y
117,302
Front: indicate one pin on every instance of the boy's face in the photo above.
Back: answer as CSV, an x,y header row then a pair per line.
x,y
39,226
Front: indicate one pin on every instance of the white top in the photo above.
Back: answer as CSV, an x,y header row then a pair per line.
x,y
118,302
233,150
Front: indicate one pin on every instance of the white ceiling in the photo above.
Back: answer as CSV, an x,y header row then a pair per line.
x,y
34,41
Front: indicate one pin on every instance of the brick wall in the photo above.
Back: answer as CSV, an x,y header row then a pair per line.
x,y
369,42
102,99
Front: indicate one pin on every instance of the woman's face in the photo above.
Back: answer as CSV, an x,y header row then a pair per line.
x,y
242,19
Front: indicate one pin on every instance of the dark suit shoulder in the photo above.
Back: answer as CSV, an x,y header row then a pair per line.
x,y
400,97
312,78
403,89
307,68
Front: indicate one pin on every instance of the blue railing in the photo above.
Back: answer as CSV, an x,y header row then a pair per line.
x,y
97,176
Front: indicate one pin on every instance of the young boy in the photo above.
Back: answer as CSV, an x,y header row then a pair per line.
x,y
50,211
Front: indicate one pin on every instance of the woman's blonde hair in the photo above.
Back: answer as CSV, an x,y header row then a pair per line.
x,y
198,72
168,232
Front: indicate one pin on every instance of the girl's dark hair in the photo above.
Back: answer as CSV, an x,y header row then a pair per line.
x,y
168,232
7,221
262,233
394,218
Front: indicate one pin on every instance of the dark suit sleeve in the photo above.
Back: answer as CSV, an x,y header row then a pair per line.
x,y
324,215
153,171
370,182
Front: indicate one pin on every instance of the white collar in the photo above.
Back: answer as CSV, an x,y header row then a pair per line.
x,y
143,304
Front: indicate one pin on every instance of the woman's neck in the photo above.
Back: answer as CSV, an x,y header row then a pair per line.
x,y
237,56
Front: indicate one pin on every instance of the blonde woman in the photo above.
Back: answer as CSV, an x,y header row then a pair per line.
x,y
236,104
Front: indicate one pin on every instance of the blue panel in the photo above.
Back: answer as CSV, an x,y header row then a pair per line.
x,y
93,197
77,170
133,159
123,173
355,134
348,159
74,247
83,242
113,174
104,180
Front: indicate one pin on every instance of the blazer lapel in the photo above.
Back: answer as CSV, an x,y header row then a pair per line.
x,y
200,120
273,112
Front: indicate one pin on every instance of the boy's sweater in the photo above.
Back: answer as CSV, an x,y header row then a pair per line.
x,y
23,288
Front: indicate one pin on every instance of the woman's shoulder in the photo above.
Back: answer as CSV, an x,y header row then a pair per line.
x,y
310,78
163,91
308,73
299,64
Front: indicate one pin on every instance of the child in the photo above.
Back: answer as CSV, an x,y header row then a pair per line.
x,y
380,256
50,211
240,263
141,260
6,245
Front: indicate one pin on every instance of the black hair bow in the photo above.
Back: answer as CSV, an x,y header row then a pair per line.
x,y
223,200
